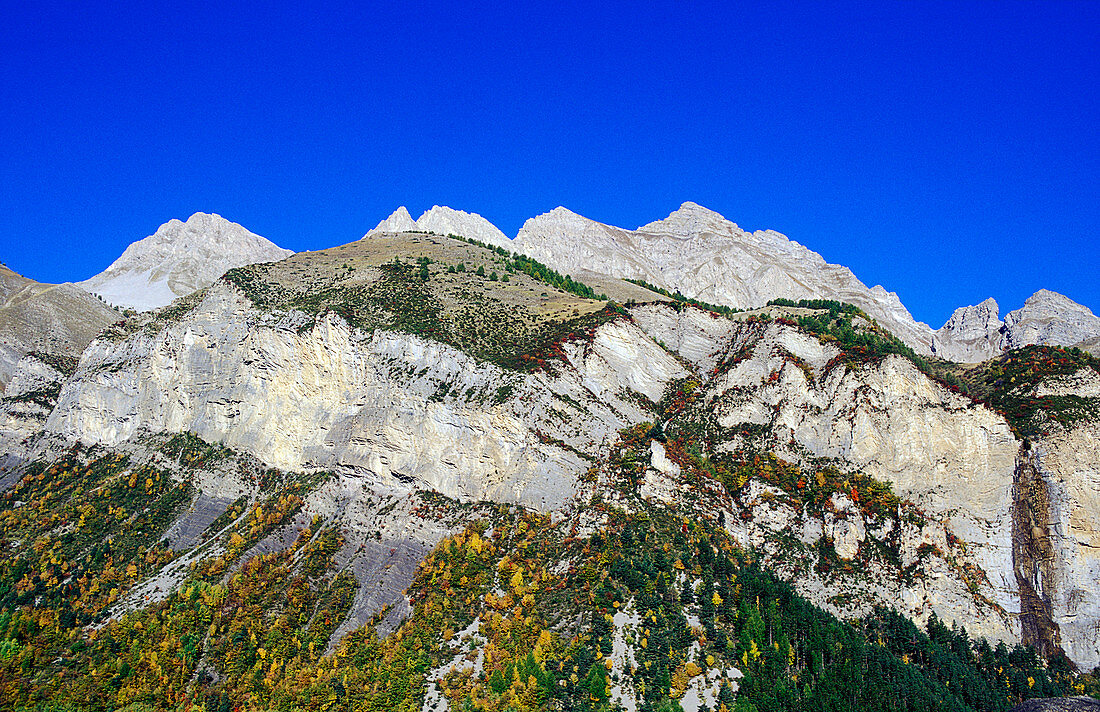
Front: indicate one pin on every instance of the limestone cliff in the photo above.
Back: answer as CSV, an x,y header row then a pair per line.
x,y
777,389
411,381
388,407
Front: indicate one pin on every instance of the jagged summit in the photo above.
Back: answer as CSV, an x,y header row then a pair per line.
x,y
444,221
398,221
1050,318
448,221
691,219
179,258
704,255
976,333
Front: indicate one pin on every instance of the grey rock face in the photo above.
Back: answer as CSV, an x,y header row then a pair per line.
x,y
398,221
180,258
365,404
954,459
703,255
446,221
1069,463
27,402
970,335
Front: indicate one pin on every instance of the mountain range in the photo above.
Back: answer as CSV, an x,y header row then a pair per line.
x,y
587,468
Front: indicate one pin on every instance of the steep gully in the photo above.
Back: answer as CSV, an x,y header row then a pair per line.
x,y
1033,557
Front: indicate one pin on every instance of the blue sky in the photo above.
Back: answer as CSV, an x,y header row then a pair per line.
x,y
948,151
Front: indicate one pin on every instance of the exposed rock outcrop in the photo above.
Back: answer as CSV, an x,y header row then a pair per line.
x,y
366,404
976,333
1066,465
1033,537
972,334
788,393
1049,318
447,221
703,255
398,221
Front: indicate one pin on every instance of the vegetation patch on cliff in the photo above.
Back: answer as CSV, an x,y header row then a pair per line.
x,y
1009,383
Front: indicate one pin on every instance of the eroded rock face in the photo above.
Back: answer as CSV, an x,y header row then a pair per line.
x,y
27,401
448,221
952,458
398,221
1068,461
390,407
393,413
1049,318
972,334
957,460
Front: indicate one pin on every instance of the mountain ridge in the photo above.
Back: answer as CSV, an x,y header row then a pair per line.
x,y
57,319
568,241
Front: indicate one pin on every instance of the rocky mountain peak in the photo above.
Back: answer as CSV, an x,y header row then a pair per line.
x,y
179,258
444,221
398,221
975,333
692,219
1046,300
561,223
1050,318
705,256
448,221
974,321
